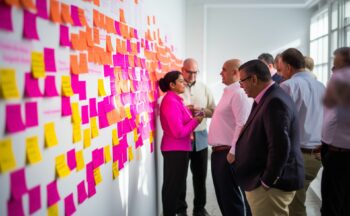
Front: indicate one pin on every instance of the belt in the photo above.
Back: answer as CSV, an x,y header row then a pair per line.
x,y
221,148
310,151
337,149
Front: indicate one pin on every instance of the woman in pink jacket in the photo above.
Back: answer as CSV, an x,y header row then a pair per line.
x,y
178,124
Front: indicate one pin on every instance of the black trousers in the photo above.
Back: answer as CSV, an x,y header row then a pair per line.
x,y
199,166
231,198
335,183
174,179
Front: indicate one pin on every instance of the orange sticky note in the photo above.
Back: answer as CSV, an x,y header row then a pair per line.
x,y
89,39
82,40
97,2
96,36
74,68
55,11
96,18
12,2
83,65
28,4
148,20
154,19
81,14
121,15
109,46
75,41
65,13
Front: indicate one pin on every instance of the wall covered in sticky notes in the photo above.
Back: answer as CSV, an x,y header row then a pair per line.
x,y
78,97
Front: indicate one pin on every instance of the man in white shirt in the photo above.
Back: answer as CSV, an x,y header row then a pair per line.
x,y
228,119
307,94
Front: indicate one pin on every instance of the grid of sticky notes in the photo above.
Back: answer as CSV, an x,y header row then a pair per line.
x,y
105,83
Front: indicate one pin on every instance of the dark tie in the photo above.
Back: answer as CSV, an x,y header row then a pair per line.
x,y
253,107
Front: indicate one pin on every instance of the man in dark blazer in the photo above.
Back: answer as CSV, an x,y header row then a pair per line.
x,y
267,58
269,162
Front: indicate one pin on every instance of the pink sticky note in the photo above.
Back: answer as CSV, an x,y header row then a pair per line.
x,y
31,110
92,106
5,17
64,36
82,90
29,25
71,159
34,199
97,157
138,47
69,206
117,27
75,15
85,114
136,34
14,121
82,196
49,58
15,207
120,129
52,193
128,46
118,60
42,9
18,184
139,142
65,106
90,172
75,83
91,188
31,86
50,87
102,117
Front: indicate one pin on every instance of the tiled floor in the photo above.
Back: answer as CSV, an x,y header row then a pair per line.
x,y
312,201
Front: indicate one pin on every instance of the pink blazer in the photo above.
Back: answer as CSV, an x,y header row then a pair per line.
x,y
177,123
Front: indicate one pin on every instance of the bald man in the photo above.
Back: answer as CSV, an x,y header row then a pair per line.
x,y
227,122
200,100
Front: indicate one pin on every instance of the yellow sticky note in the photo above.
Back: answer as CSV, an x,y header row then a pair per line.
x,y
115,139
130,153
76,132
7,159
33,150
101,88
8,84
97,176
50,135
80,159
87,138
115,169
136,135
107,153
128,112
94,128
76,118
151,137
66,86
62,168
38,65
52,210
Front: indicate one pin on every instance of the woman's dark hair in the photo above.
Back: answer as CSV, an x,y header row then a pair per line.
x,y
170,77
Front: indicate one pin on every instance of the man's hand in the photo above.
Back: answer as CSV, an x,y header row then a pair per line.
x,y
230,158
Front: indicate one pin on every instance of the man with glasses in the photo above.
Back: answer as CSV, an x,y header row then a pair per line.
x,y
200,100
268,163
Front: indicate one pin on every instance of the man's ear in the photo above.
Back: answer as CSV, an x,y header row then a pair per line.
x,y
255,79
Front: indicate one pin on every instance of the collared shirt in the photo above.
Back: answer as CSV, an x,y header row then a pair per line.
x,y
307,94
257,99
229,117
199,95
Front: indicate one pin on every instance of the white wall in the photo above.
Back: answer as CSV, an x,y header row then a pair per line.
x,y
134,192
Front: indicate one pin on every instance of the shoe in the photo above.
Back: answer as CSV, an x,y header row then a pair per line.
x,y
201,212
181,214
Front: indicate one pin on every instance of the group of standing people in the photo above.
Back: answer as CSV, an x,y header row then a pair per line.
x,y
269,132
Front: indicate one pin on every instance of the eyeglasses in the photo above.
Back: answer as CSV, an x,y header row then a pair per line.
x,y
245,79
192,72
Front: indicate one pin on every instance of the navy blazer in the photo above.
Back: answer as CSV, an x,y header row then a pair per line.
x,y
277,78
268,147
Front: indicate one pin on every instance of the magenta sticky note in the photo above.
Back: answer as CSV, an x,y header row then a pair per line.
x,y
15,207
65,106
115,153
31,86
75,15
34,199
49,58
41,5
118,60
139,142
90,172
92,106
29,25
85,114
91,188
52,193
82,90
5,17
136,34
69,206
138,47
14,121
82,195
146,45
128,46
64,36
71,159
117,27
18,184
97,157
75,83
31,110
102,117
50,89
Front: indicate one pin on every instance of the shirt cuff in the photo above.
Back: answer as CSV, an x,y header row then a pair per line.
x,y
265,185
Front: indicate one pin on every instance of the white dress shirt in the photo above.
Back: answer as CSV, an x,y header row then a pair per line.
x,y
307,94
229,117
